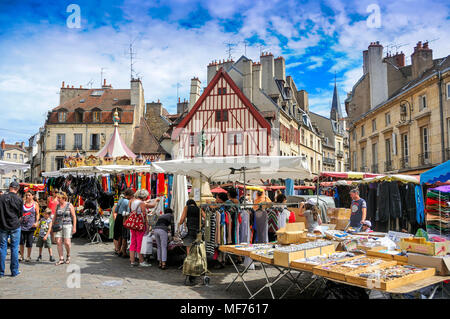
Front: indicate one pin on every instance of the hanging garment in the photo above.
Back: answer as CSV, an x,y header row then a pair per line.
x,y
383,203
372,203
148,182
143,181
244,227
395,208
262,235
160,184
419,205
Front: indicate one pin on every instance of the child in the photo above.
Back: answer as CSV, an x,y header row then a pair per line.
x,y
366,226
44,234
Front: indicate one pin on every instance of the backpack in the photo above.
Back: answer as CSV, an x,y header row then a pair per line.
x,y
195,263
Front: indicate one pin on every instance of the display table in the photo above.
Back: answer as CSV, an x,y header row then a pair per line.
x,y
287,272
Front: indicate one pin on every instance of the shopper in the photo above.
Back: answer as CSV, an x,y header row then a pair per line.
x,y
64,226
261,198
139,205
161,232
44,234
366,225
233,196
191,215
28,224
121,207
52,202
283,217
312,215
359,210
10,213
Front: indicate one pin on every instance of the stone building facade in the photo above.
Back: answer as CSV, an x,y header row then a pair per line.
x,y
400,114
16,153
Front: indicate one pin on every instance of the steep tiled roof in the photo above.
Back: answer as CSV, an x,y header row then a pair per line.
x,y
144,141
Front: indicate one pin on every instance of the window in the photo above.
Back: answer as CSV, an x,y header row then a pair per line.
x,y
21,157
374,154
96,116
388,149
78,141
95,142
363,156
448,91
362,130
62,116
59,163
222,91
354,161
60,141
311,141
423,102
354,135
303,136
374,125
387,118
405,148
15,156
235,138
425,142
222,116
448,132
8,155
318,163
79,116
312,165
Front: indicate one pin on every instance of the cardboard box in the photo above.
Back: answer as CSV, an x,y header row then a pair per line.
x,y
342,213
422,246
440,263
341,224
330,212
293,233
285,258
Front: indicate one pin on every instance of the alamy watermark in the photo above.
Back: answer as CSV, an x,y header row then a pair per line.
x,y
374,19
74,279
74,19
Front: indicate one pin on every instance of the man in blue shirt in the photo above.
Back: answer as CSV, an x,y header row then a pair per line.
x,y
359,210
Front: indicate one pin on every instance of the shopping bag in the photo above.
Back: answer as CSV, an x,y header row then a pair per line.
x,y
135,222
195,263
147,244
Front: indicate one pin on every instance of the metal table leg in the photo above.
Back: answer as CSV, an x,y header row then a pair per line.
x,y
269,284
239,275
294,282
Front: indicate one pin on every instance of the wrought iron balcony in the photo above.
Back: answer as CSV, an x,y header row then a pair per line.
x,y
425,158
388,166
404,162
329,161
340,154
95,147
374,168
60,147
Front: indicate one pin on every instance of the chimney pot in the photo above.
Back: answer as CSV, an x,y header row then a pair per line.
x,y
72,86
104,82
62,83
158,101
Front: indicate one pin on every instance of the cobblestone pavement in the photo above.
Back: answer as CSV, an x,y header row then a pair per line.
x,y
99,266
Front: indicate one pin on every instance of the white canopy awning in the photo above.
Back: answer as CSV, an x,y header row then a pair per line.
x,y
7,167
232,168
105,169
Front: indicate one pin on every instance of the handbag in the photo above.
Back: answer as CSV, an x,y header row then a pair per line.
x,y
135,222
57,226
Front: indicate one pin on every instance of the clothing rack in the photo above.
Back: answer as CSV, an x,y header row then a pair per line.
x,y
271,204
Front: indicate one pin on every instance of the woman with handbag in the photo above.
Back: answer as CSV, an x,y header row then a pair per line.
x,y
64,226
137,223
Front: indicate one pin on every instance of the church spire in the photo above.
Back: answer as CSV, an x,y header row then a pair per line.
x,y
336,113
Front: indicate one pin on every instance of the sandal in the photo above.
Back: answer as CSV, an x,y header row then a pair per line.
x,y
68,260
60,262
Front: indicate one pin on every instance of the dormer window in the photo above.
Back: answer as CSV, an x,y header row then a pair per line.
x,y
79,115
96,115
62,116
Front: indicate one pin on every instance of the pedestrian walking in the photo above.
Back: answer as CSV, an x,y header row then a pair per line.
x,y
161,232
44,234
10,213
52,203
29,222
64,226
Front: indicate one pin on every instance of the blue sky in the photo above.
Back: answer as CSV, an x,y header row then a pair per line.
x,y
176,39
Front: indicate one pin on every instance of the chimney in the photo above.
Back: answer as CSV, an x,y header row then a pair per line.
x,y
62,84
22,145
302,97
195,92
267,73
377,75
365,61
3,144
247,78
212,70
137,99
256,79
421,59
280,69
154,110
182,106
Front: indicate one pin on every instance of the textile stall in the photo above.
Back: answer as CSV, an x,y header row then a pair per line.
x,y
437,200
394,202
